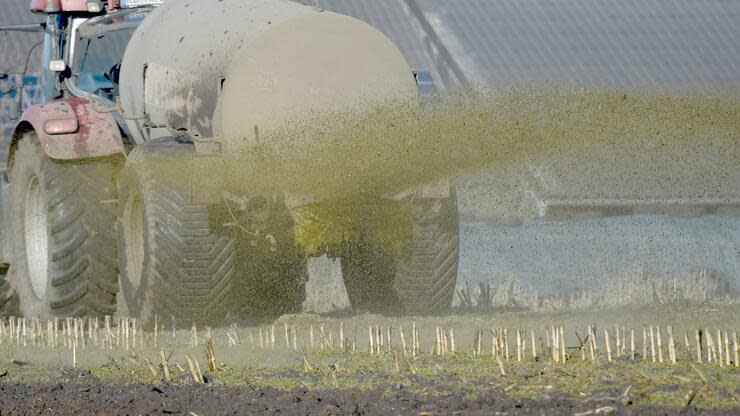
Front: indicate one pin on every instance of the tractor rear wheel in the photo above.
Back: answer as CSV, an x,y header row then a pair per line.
x,y
172,264
421,279
62,218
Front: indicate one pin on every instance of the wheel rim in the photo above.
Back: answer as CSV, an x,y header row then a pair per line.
x,y
37,237
133,224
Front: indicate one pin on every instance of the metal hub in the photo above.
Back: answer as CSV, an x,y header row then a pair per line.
x,y
133,234
37,237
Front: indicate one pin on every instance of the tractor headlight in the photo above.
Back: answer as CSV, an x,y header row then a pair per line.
x,y
94,6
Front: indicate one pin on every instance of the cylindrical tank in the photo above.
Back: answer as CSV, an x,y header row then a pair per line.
x,y
218,69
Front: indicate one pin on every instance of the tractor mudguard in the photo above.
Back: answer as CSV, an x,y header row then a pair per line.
x,y
71,128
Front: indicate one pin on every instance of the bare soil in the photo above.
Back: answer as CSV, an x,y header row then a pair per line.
x,y
82,393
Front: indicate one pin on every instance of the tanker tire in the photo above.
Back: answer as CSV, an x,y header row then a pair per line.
x,y
421,280
64,248
172,265
426,277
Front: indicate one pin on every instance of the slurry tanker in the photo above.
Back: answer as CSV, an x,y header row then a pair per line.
x,y
91,224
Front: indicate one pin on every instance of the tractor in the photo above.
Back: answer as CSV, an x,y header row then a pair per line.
x,y
91,223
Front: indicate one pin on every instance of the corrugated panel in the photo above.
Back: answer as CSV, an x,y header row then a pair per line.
x,y
625,43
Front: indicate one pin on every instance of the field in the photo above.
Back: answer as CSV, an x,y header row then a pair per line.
x,y
459,363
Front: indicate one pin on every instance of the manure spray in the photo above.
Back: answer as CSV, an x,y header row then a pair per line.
x,y
346,161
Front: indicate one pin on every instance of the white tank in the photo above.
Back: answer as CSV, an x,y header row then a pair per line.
x,y
218,69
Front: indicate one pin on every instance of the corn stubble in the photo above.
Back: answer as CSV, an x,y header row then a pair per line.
x,y
714,346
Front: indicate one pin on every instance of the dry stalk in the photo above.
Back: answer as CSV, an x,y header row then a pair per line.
x,y
518,346
660,344
608,345
272,337
403,340
494,343
414,340
479,345
590,341
322,337
418,343
726,340
307,368
697,371
697,336
734,348
506,343
379,340
652,344
194,370
388,334
500,363
165,367
287,336
452,341
295,339
152,370
562,344
354,339
720,357
632,344
133,344
582,347
437,342
534,346
200,373
671,345
688,345
211,356
341,335
411,364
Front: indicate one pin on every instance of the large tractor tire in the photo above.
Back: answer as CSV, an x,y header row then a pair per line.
x,y
172,264
419,280
64,248
273,268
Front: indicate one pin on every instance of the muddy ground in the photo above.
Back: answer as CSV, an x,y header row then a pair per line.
x,y
81,392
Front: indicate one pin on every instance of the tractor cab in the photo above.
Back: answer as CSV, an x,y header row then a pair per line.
x,y
84,44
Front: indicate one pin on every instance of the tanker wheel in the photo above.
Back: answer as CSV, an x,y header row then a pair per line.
x,y
172,265
421,280
62,218
273,267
